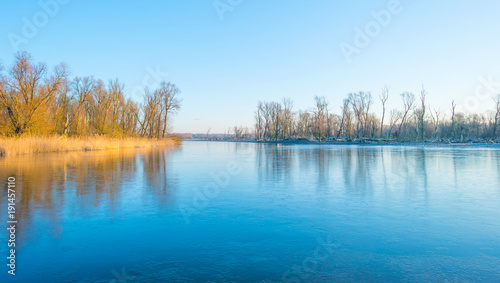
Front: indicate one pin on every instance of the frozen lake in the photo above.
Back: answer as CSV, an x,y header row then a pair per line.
x,y
245,212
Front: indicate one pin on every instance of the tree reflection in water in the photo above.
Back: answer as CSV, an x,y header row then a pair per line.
x,y
50,187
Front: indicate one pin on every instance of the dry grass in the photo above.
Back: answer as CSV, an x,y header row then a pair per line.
x,y
34,144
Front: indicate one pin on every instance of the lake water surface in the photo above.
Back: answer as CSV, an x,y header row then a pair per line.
x,y
244,212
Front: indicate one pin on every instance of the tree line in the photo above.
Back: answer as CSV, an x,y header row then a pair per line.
x,y
37,100
415,121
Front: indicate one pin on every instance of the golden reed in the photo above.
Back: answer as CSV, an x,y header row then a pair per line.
x,y
42,144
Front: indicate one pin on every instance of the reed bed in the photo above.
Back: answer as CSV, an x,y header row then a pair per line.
x,y
37,144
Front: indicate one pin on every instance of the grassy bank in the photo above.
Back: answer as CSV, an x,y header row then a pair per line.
x,y
30,144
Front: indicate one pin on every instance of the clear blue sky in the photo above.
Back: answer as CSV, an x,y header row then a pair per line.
x,y
266,50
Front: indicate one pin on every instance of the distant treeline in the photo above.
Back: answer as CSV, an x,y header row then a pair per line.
x,y
38,101
415,122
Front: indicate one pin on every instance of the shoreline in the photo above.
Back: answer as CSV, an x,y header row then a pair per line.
x,y
363,143
15,146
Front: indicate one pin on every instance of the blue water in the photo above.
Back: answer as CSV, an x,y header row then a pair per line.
x,y
243,212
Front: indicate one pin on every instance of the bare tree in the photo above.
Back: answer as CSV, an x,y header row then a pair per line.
x,y
497,114
276,121
435,120
383,98
61,109
408,100
275,110
287,119
82,89
320,117
158,106
28,89
421,115
128,117
259,122
304,124
453,105
171,103
270,120
345,114
238,132
361,102
395,116
150,112
36,100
